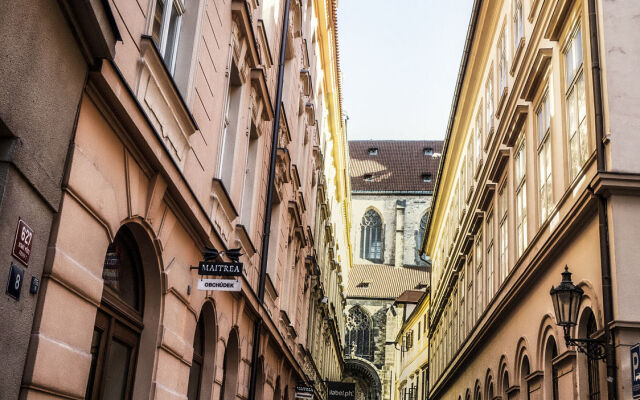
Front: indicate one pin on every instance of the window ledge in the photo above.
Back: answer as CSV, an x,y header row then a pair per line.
x,y
516,56
515,125
536,74
162,101
501,101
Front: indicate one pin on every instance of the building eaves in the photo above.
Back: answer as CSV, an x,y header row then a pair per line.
x,y
471,31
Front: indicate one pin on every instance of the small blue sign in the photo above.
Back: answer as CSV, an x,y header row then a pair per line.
x,y
635,371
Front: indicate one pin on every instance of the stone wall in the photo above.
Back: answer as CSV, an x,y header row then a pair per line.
x,y
414,207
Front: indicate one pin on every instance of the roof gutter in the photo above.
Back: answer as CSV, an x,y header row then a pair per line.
x,y
471,31
603,223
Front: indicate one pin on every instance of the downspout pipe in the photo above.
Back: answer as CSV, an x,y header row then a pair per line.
x,y
603,223
255,354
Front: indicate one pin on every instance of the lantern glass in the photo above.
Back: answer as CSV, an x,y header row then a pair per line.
x,y
566,300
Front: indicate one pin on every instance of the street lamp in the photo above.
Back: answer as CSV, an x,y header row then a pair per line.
x,y
566,303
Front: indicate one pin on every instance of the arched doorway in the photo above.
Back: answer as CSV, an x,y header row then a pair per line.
x,y
119,321
230,367
364,375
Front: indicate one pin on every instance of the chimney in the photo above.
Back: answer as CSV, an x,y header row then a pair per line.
x,y
399,242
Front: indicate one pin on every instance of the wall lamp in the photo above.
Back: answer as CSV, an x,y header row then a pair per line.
x,y
566,303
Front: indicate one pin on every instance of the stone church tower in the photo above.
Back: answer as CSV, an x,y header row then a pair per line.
x,y
391,189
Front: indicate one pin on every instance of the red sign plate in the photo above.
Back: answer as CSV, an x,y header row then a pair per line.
x,y
22,243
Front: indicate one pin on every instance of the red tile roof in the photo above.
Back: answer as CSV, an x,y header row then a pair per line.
x,y
398,166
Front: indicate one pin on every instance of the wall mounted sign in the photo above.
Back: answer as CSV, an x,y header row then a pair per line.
x,y
635,371
223,285
304,392
14,284
22,243
220,268
341,390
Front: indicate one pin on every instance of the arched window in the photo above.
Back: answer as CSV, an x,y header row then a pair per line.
x,y
550,370
594,375
230,368
358,338
371,237
505,385
118,326
477,394
195,374
524,384
490,392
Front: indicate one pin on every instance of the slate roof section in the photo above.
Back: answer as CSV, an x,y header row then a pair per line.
x,y
380,281
398,166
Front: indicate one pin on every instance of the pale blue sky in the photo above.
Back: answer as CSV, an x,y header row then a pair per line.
x,y
399,61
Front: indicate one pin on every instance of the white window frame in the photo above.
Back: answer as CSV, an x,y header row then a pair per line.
x,y
168,6
520,160
543,136
575,83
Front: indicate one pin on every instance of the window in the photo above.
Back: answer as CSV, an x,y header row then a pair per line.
x,y
165,30
521,198
462,309
368,177
503,231
470,165
488,94
428,151
470,275
478,139
426,177
424,324
371,237
250,177
593,370
373,151
502,65
490,265
118,324
419,330
543,125
479,276
454,320
230,366
420,238
576,104
358,336
230,126
518,26
195,373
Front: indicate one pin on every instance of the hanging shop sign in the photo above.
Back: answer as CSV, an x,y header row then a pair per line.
x,y
223,285
304,392
341,390
22,243
220,268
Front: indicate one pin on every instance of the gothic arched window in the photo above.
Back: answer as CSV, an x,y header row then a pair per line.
x,y
371,237
358,340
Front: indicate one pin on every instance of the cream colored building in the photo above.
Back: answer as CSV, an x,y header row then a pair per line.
x,y
411,367
332,246
540,171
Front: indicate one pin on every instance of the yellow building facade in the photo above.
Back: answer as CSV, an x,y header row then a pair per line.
x,y
537,175
411,367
